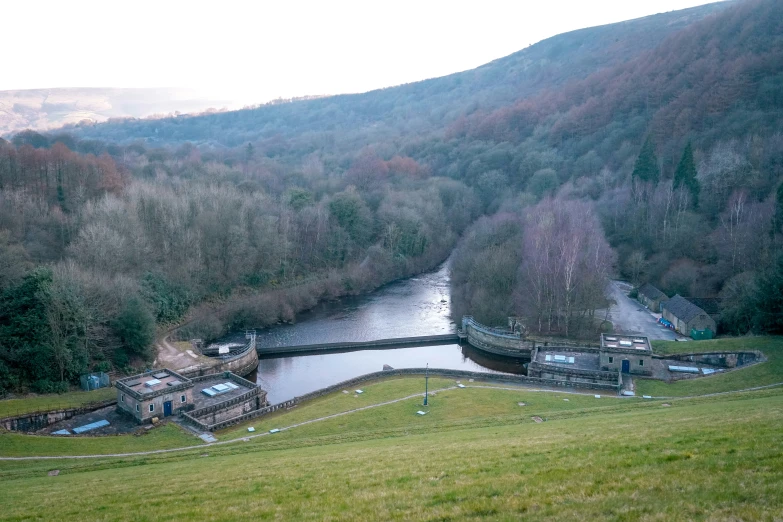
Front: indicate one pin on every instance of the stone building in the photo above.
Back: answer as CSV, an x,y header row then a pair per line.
x,y
576,366
686,316
626,353
651,297
157,393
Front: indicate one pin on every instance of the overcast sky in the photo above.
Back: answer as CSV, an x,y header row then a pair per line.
x,y
251,52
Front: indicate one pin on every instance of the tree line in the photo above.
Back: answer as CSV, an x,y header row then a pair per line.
x,y
96,251
548,263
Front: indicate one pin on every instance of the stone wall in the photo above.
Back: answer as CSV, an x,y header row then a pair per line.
x,y
720,359
494,341
234,408
551,371
140,409
242,363
611,360
31,422
248,402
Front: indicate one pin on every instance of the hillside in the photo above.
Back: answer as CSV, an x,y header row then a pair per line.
x,y
129,225
45,109
477,453
425,105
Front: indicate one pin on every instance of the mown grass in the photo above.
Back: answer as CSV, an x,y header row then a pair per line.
x,y
13,407
462,407
769,372
374,392
717,458
164,437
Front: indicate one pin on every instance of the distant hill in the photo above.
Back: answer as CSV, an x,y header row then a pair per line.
x,y
425,105
44,109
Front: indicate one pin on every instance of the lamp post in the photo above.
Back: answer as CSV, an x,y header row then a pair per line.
x,y
426,379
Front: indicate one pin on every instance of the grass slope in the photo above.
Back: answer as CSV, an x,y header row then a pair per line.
x,y
13,407
716,458
476,455
763,374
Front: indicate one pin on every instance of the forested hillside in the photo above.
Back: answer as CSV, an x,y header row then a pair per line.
x,y
649,150
94,254
341,124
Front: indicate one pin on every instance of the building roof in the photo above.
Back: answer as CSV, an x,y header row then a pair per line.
x,y
650,292
152,383
681,308
622,343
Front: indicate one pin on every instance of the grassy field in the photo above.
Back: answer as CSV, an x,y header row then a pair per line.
x,y
20,445
715,458
476,454
763,374
12,407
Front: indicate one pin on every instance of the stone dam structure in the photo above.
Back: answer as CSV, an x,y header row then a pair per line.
x,y
242,361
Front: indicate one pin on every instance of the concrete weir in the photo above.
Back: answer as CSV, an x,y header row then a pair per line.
x,y
362,345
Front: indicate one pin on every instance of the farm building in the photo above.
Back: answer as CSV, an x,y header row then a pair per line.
x,y
651,297
687,318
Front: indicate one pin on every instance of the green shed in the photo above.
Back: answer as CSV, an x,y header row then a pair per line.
x,y
701,335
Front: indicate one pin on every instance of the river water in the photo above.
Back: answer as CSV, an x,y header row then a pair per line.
x,y
412,307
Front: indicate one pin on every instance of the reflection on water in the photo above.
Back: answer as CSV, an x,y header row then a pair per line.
x,y
409,308
414,307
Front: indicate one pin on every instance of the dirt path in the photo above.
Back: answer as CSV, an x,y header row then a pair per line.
x,y
177,357
327,417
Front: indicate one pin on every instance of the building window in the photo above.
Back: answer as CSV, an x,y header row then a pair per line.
x,y
182,398
122,397
611,360
137,407
641,362
152,407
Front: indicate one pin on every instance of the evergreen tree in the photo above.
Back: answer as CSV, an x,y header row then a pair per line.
x,y
777,219
685,175
646,167
135,326
769,318
24,329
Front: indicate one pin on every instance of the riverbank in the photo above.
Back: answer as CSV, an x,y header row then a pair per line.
x,y
281,305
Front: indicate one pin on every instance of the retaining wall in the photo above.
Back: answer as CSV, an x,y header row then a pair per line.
x,y
549,371
241,364
31,422
720,359
249,401
492,339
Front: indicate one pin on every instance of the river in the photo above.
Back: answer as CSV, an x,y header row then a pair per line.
x,y
412,307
